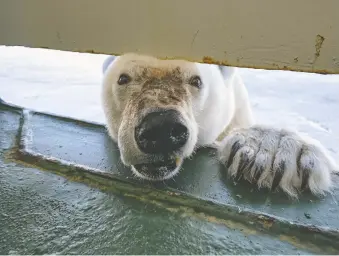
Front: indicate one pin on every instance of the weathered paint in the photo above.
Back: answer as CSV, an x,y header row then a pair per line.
x,y
288,35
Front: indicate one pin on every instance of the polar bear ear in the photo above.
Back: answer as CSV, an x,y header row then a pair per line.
x,y
107,62
227,72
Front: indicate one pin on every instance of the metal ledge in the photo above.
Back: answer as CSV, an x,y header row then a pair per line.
x,y
83,152
290,35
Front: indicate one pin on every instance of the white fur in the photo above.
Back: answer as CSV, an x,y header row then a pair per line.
x,y
258,153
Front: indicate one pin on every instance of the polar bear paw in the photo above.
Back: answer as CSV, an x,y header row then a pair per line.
x,y
278,159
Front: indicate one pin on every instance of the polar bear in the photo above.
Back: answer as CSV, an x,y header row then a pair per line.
x,y
160,111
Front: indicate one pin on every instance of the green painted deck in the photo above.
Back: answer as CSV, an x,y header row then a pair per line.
x,y
64,190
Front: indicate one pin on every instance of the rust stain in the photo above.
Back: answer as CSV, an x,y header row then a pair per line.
x,y
210,60
274,66
189,212
266,222
319,40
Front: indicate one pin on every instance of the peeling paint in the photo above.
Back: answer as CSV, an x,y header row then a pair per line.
x,y
319,40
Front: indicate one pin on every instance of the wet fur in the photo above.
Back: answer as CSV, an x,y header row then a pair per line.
x,y
219,114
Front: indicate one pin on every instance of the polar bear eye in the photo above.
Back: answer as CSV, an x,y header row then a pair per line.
x,y
124,79
195,81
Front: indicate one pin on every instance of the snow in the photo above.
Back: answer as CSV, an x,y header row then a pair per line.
x,y
69,84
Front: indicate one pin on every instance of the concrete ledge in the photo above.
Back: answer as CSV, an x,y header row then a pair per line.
x,y
82,151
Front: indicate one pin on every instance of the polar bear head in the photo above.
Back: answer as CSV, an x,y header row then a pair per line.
x,y
159,111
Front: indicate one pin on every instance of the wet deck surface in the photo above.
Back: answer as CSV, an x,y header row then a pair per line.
x,y
85,201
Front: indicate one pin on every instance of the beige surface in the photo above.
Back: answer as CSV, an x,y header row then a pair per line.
x,y
297,35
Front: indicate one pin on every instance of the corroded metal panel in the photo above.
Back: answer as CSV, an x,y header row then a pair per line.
x,y
295,35
44,213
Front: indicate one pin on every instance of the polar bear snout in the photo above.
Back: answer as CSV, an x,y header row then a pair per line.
x,y
161,132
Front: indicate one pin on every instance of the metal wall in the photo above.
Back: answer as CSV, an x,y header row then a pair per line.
x,y
298,35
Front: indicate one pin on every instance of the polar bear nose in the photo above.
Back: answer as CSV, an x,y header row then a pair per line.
x,y
161,132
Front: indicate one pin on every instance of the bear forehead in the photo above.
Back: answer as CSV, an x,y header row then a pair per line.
x,y
154,66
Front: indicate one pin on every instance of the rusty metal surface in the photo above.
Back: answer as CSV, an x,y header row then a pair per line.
x,y
290,35
83,152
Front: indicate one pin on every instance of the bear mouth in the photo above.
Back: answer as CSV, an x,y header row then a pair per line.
x,y
158,171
